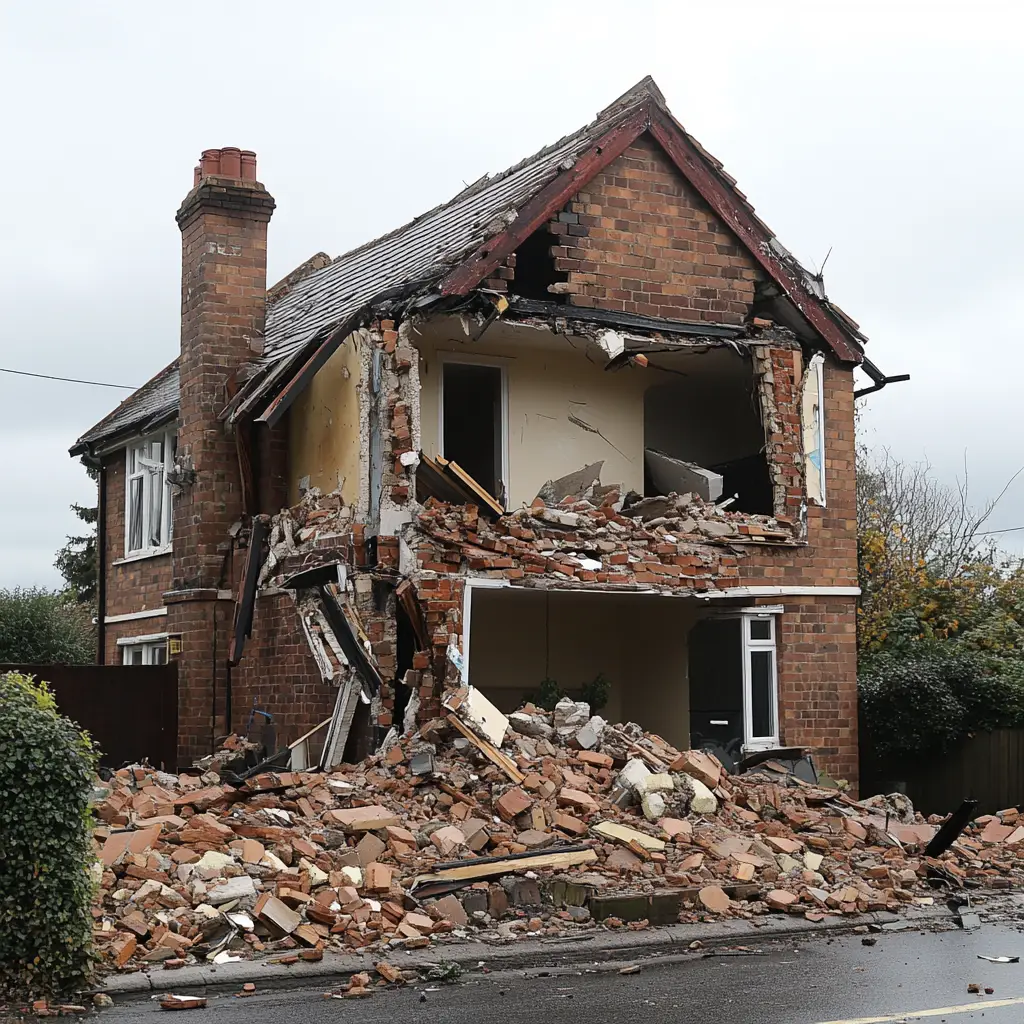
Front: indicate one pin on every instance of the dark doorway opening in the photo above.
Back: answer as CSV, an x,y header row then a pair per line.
x,y
405,650
471,422
716,688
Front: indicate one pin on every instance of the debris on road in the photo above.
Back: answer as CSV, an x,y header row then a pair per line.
x,y
173,1002
999,959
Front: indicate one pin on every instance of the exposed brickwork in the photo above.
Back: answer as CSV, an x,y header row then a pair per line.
x,y
817,666
279,673
223,303
639,239
817,641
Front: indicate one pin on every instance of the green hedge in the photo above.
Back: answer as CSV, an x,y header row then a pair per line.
x,y
922,698
47,767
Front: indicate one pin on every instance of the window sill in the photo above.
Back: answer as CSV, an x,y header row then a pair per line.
x,y
139,556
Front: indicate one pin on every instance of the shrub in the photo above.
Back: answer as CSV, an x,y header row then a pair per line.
x,y
921,698
47,768
549,693
596,692
40,627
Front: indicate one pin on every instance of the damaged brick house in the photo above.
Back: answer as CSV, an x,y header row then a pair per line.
x,y
587,419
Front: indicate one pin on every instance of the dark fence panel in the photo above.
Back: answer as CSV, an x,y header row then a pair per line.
x,y
988,767
131,711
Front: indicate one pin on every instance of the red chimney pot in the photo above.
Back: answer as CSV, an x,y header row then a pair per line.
x,y
231,162
248,165
210,162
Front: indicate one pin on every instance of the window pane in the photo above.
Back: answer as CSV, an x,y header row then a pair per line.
x,y
168,510
760,629
159,654
135,514
762,687
156,501
133,655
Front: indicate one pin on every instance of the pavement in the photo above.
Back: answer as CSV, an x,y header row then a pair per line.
x,y
805,978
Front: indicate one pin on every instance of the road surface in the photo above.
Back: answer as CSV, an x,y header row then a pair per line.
x,y
903,976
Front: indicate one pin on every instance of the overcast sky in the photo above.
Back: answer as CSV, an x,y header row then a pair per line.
x,y
888,133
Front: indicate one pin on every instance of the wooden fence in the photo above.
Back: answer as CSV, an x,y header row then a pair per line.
x,y
988,767
131,711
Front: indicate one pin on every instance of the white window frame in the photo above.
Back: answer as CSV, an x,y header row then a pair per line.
x,y
749,616
475,360
746,616
146,471
149,644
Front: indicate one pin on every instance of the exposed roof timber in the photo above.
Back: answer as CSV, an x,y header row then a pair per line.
x,y
629,321
297,384
540,208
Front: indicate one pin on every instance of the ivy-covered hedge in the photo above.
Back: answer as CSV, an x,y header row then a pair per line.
x,y
47,766
921,698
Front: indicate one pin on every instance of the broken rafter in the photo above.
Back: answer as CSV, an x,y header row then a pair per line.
x,y
492,867
447,481
490,751
628,321
245,602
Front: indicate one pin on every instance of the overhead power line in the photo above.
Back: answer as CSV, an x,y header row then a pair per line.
x,y
69,380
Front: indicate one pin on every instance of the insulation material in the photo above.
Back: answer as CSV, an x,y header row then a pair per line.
x,y
674,476
479,714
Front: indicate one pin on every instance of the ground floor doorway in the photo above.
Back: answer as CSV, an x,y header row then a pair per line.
x,y
700,673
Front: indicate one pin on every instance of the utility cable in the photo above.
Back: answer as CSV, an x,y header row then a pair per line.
x,y
69,380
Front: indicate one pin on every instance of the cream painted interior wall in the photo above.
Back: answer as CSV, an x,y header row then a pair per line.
x,y
323,438
549,376
637,640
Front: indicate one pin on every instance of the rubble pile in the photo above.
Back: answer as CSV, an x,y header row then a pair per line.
x,y
318,522
477,824
602,537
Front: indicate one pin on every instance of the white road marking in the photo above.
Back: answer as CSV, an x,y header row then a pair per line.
x,y
942,1011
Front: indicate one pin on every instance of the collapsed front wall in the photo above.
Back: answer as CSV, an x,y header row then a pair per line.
x,y
816,643
816,637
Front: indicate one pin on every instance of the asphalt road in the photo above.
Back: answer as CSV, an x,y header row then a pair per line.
x,y
904,976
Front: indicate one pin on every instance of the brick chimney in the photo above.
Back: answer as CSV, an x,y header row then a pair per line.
x,y
223,223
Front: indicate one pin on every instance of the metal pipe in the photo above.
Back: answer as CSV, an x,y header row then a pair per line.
x,y
879,378
101,569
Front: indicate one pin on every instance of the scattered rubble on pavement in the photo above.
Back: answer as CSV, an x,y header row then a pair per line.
x,y
537,824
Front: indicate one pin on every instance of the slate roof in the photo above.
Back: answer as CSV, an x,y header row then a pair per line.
x,y
425,249
153,404
429,245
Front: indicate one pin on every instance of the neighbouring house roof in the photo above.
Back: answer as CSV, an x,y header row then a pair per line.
x,y
450,249
152,405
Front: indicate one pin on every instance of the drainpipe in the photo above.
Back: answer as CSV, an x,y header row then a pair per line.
x,y
879,378
101,569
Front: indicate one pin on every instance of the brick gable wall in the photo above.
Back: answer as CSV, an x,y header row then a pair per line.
x,y
639,239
